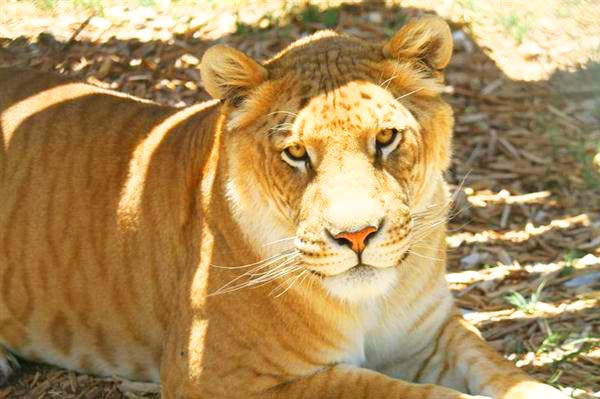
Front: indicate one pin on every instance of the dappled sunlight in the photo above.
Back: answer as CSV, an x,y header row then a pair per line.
x,y
500,272
558,353
130,200
534,285
542,310
481,200
530,230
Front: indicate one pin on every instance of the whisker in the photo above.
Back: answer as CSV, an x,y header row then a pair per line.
x,y
291,251
248,274
424,230
459,228
451,200
290,285
282,112
280,240
409,93
255,283
284,262
420,245
424,256
286,126
306,277
279,270
427,222
290,258
281,125
283,283
388,82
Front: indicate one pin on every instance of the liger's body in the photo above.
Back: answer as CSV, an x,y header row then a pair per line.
x,y
133,236
83,275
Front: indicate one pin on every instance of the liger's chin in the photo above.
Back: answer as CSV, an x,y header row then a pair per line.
x,y
361,283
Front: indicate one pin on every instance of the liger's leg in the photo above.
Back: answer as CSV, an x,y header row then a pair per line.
x,y
463,360
9,365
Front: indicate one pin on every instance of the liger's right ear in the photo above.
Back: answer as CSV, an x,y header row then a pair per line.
x,y
427,39
229,74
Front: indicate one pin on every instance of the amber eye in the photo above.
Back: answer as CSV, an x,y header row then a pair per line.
x,y
386,137
296,152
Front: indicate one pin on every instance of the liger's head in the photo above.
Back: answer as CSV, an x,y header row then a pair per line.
x,y
340,144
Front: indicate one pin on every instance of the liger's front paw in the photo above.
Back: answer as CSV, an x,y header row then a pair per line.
x,y
438,392
533,390
9,366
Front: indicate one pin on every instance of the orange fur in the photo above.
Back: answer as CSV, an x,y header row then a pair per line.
x,y
182,246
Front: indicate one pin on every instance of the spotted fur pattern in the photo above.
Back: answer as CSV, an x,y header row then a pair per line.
x,y
180,246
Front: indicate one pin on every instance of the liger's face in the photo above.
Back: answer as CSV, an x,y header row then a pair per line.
x,y
341,172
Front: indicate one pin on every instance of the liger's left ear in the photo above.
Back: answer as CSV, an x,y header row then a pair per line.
x,y
427,39
230,74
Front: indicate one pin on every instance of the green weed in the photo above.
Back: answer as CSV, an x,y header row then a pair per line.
x,y
392,26
583,152
581,149
580,345
552,341
565,8
526,305
569,260
94,6
328,17
572,255
466,4
516,26
553,379
46,5
310,14
146,3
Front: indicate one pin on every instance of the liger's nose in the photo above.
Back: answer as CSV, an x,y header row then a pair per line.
x,y
357,240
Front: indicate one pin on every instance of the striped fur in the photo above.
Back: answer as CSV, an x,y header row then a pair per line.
x,y
177,246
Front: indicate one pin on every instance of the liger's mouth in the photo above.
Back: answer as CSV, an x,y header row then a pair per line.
x,y
361,268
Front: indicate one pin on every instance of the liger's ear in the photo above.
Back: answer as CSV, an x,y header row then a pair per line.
x,y
229,74
427,39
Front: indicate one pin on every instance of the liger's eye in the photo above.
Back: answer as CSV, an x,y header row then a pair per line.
x,y
296,152
296,156
386,141
386,137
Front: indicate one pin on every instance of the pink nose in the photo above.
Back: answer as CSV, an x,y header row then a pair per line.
x,y
357,240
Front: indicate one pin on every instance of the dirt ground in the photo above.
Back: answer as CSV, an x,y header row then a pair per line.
x,y
524,243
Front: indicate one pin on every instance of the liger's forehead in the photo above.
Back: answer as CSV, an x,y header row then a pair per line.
x,y
354,108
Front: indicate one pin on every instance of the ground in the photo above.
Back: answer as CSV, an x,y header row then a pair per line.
x,y
524,243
